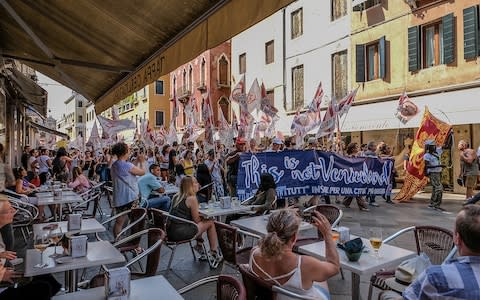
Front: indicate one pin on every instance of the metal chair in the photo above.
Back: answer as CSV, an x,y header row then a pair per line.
x,y
160,220
155,238
291,294
435,242
24,217
228,287
228,242
137,218
92,198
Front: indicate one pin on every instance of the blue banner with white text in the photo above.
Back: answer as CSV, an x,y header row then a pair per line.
x,y
311,172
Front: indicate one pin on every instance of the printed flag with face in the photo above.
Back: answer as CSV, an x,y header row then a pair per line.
x,y
406,109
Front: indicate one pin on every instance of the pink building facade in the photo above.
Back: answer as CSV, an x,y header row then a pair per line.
x,y
206,75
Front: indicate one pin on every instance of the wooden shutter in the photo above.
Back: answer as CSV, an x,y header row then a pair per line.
x,y
470,33
413,48
360,65
381,53
448,23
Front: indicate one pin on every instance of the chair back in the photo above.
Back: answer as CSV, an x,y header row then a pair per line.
x,y
435,242
230,288
227,241
256,287
157,218
331,212
155,235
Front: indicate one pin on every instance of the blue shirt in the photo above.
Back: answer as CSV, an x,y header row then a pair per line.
x,y
433,160
457,279
125,187
148,183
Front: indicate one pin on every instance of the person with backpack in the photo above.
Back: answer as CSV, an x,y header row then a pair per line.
x,y
60,165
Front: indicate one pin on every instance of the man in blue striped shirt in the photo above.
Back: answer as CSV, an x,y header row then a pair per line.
x,y
458,278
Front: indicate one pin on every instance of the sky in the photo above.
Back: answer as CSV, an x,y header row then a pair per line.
x,y
57,94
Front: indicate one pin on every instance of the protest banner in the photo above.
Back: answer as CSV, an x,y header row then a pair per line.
x,y
298,173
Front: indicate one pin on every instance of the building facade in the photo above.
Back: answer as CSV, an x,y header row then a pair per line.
x,y
429,49
206,75
73,121
294,50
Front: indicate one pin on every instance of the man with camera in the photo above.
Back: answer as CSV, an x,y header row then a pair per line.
x,y
433,170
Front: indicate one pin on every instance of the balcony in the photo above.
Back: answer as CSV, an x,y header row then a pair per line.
x,y
201,86
223,84
183,92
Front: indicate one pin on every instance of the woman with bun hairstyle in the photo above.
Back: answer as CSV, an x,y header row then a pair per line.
x,y
275,261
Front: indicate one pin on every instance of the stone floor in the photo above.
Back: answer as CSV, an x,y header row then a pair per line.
x,y
391,218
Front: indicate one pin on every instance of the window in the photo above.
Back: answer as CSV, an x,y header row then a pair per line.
x,y
270,98
340,74
297,88
297,23
159,118
144,115
370,61
431,44
80,119
269,52
225,108
365,4
159,87
80,133
80,103
471,29
338,9
190,78
184,80
202,73
223,71
242,63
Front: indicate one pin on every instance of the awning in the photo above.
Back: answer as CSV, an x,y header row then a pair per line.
x,y
49,130
29,91
106,50
456,108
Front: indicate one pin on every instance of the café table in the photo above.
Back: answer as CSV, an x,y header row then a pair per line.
x,y
66,198
145,288
98,253
390,257
88,226
216,211
258,225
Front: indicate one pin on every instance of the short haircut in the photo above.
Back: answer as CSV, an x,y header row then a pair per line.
x,y
467,225
152,166
119,149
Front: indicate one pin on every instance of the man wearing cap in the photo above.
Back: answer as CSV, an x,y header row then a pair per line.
x,y
276,145
458,278
233,159
311,143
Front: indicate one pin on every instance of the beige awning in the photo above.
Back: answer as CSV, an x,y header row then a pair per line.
x,y
49,130
105,50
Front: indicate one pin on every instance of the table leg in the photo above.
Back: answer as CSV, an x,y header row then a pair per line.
x,y
61,211
72,284
355,286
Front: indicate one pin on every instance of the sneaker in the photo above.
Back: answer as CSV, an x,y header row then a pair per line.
x,y
390,202
374,204
214,259
201,252
363,209
431,206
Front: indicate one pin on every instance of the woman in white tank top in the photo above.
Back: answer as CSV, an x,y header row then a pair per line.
x,y
274,260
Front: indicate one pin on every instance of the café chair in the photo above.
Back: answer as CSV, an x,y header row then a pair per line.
x,y
25,216
88,208
435,242
228,287
259,288
155,237
160,220
137,217
228,240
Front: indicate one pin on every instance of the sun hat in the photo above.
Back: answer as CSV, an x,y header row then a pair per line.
x,y
407,272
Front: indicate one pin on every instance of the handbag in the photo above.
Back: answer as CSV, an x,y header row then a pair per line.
x,y
461,180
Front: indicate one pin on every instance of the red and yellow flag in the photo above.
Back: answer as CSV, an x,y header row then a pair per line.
x,y
431,128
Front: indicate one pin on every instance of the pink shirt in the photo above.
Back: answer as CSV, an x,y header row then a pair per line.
x,y
80,184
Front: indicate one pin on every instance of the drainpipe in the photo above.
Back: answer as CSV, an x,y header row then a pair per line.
x,y
284,55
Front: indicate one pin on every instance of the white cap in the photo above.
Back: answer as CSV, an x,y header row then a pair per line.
x,y
277,141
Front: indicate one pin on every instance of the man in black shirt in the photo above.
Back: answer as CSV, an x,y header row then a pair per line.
x,y
172,161
25,157
233,159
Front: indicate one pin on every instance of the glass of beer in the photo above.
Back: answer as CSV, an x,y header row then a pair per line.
x,y
376,240
55,236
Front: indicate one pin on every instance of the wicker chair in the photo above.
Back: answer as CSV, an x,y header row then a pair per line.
x,y
228,237
228,287
435,242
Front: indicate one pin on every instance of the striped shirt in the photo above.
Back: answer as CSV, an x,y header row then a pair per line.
x,y
457,279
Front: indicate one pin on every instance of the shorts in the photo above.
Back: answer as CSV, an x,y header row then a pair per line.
x,y
471,181
123,208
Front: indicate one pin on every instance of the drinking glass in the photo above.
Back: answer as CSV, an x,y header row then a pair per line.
x,y
376,240
41,243
335,235
235,202
55,236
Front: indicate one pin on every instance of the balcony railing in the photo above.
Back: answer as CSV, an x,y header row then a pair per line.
x,y
184,91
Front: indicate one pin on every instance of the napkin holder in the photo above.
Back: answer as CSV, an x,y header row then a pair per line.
x,y
117,284
74,222
225,202
77,246
57,194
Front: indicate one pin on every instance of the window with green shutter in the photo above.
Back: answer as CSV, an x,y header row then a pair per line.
x,y
371,61
470,33
360,63
448,23
414,48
